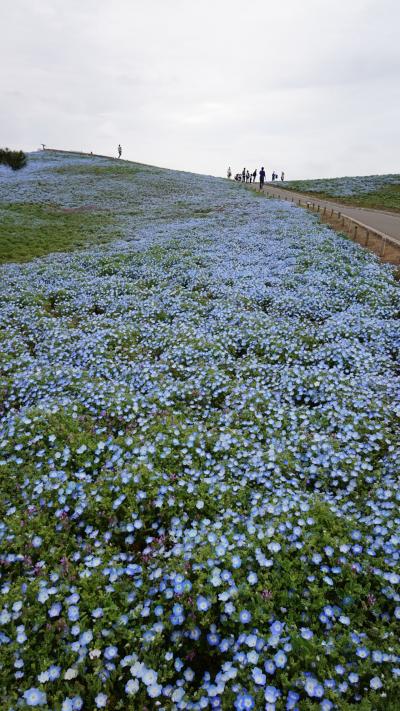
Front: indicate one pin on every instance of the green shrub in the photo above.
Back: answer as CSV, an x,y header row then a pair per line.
x,y
14,159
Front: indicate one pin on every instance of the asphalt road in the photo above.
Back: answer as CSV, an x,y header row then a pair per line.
x,y
386,222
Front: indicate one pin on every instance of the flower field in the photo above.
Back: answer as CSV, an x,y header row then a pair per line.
x,y
375,191
199,454
342,187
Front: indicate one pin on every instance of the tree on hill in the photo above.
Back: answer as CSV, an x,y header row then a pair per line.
x,y
14,159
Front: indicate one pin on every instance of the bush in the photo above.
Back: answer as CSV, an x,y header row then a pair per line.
x,y
14,159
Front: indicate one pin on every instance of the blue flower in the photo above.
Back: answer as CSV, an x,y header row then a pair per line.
x,y
271,694
280,659
291,701
35,697
245,616
244,702
258,676
101,700
362,652
73,613
269,667
236,561
306,633
111,652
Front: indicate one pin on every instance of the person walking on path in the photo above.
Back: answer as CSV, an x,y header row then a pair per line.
x,y
262,177
119,151
282,176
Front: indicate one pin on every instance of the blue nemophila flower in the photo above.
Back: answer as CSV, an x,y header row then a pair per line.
x,y
271,694
149,677
236,561
280,659
276,628
313,688
353,678
101,700
269,667
55,610
111,652
213,639
97,613
306,633
203,604
258,676
375,683
131,687
35,697
326,705
244,702
291,701
154,690
245,616
73,613
72,704
362,652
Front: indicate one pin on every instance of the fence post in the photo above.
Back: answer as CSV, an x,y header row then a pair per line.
x,y
367,238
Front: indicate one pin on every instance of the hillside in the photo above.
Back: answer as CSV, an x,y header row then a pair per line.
x,y
199,449
374,191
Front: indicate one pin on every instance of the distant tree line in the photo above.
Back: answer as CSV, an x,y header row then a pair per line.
x,y
14,159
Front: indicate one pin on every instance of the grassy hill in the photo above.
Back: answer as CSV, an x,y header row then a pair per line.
x,y
65,202
374,191
199,448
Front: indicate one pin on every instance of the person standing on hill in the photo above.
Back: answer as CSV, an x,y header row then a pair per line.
x,y
262,177
119,151
229,173
282,176
244,175
254,176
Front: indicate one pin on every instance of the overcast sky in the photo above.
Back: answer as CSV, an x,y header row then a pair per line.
x,y
308,86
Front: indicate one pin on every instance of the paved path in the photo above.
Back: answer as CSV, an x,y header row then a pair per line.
x,y
386,222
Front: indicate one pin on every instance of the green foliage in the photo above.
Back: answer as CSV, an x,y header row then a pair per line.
x,y
14,159
29,230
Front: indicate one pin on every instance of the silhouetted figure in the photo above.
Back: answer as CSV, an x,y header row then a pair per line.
x,y
229,173
262,178
119,151
244,175
282,176
247,176
254,176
